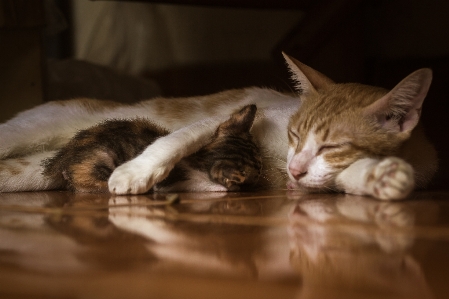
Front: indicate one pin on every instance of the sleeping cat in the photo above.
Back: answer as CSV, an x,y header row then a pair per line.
x,y
231,160
348,138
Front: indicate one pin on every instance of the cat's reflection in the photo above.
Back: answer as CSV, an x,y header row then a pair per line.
x,y
214,236
101,245
354,243
27,241
336,242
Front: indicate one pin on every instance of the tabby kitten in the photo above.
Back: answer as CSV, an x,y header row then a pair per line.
x,y
231,160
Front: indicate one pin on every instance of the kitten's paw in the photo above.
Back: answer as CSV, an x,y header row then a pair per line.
x,y
232,179
389,214
391,179
137,177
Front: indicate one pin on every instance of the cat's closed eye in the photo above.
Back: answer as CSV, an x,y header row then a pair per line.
x,y
329,147
293,135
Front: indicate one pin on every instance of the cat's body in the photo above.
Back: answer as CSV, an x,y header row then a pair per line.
x,y
36,134
229,162
341,137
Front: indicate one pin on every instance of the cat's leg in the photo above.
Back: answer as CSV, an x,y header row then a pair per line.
x,y
25,174
388,179
155,163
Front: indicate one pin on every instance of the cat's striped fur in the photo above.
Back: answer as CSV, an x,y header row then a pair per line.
x,y
230,162
366,127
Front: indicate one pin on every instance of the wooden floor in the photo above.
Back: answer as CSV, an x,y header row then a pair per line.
x,y
217,245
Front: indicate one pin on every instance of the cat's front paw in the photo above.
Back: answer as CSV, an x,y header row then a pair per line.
x,y
391,179
136,176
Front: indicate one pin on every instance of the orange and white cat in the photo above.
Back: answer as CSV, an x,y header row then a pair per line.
x,y
348,138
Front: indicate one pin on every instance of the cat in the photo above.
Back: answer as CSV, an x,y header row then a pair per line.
x,y
230,162
350,138
360,139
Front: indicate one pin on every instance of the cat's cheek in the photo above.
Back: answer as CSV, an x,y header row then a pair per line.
x,y
319,174
290,155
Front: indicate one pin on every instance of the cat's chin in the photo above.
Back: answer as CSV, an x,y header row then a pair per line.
x,y
293,185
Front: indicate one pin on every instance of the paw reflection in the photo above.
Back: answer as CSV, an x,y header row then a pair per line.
x,y
350,241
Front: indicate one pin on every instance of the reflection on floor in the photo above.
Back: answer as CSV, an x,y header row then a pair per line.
x,y
217,245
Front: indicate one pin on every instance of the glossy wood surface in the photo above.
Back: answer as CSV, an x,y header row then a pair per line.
x,y
223,245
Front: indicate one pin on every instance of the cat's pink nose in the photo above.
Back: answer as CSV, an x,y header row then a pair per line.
x,y
299,164
297,173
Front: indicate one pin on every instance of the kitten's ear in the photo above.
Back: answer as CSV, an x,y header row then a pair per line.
x,y
239,122
400,109
306,78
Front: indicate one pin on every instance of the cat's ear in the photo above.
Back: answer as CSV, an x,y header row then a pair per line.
x,y
239,122
307,80
400,109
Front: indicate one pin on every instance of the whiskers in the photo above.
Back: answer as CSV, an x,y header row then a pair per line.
x,y
321,184
329,189
274,172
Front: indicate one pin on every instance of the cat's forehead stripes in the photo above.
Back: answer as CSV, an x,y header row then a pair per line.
x,y
329,114
343,97
310,143
324,133
316,125
307,144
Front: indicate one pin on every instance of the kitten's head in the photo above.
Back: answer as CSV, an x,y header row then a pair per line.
x,y
338,124
232,159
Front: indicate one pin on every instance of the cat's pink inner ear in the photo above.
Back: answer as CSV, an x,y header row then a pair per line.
x,y
400,109
306,78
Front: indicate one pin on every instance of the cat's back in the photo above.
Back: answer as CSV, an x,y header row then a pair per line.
x,y
174,113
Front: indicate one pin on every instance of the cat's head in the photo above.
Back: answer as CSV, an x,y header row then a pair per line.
x,y
232,159
338,124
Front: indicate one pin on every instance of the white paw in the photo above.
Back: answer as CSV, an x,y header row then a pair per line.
x,y
137,176
390,179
